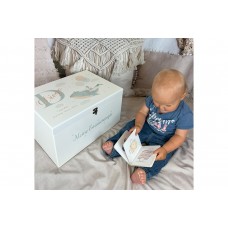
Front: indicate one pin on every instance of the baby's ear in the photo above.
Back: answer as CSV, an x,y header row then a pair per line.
x,y
184,95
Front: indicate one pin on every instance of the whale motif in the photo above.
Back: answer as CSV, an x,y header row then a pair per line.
x,y
88,92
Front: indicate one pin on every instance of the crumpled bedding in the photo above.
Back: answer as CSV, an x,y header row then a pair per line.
x,y
91,169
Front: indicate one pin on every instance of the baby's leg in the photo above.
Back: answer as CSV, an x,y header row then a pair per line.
x,y
107,147
139,176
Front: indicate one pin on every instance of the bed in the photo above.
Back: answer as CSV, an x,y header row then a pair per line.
x,y
91,169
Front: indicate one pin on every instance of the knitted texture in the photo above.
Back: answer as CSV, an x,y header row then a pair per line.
x,y
103,56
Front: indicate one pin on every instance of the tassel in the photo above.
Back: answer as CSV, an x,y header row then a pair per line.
x,y
132,59
55,52
100,73
64,59
141,57
77,67
117,66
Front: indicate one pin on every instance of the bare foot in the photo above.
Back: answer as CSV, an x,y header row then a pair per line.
x,y
107,147
139,176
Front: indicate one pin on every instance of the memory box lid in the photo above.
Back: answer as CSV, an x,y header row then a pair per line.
x,y
60,100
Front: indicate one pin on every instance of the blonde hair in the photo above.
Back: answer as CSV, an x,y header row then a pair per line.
x,y
170,79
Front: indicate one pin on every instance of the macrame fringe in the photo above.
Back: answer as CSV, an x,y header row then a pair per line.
x,y
128,61
77,66
97,62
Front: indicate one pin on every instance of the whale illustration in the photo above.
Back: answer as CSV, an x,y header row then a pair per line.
x,y
88,92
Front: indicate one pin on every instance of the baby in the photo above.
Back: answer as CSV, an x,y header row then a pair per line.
x,y
164,119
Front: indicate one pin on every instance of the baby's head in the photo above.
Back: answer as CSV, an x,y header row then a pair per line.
x,y
168,89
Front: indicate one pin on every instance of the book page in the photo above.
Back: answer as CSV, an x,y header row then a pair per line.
x,y
132,146
145,157
119,145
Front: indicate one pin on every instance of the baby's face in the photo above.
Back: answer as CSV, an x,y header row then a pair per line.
x,y
166,103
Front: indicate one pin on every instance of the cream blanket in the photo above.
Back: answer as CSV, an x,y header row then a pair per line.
x,y
92,169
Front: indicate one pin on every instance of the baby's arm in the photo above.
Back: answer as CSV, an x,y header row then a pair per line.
x,y
140,118
174,142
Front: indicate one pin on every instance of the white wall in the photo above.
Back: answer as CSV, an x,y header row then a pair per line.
x,y
168,45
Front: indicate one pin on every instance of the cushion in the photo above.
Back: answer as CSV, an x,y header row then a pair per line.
x,y
112,59
157,61
45,70
124,80
186,46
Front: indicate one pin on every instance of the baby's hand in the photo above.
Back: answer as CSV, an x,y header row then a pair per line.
x,y
161,153
138,129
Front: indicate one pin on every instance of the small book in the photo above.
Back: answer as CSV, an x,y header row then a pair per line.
x,y
130,148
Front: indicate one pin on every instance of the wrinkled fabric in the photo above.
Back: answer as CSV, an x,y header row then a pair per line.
x,y
91,169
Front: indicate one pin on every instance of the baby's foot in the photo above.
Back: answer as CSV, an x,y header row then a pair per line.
x,y
139,176
107,147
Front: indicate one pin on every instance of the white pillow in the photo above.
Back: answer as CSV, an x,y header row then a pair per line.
x,y
124,81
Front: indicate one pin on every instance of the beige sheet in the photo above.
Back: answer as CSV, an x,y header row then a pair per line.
x,y
92,169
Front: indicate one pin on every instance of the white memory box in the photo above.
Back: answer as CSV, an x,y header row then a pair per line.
x,y
72,112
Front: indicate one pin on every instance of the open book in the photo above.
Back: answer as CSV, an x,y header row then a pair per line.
x,y
131,149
